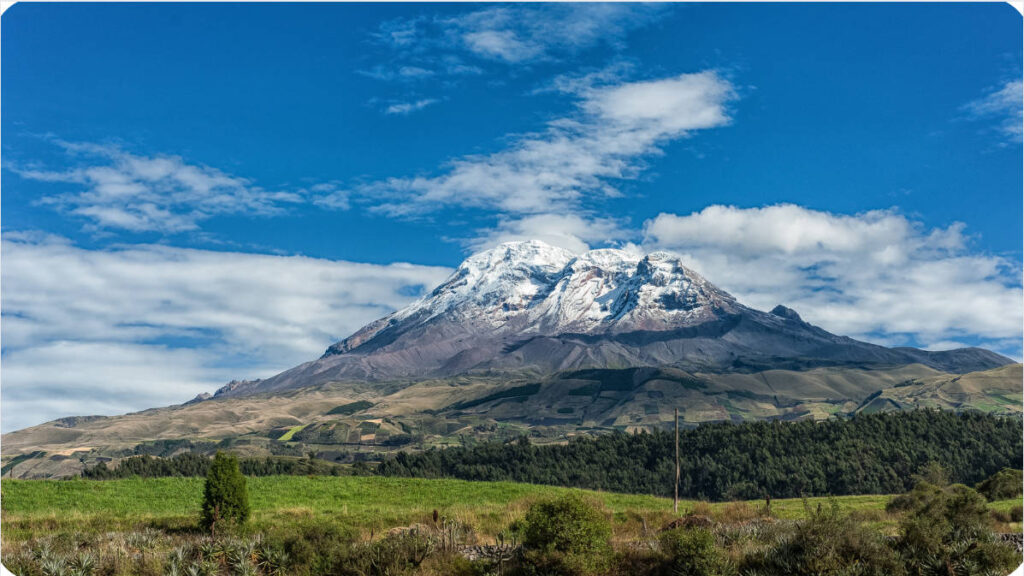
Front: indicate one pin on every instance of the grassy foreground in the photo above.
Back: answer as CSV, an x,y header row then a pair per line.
x,y
356,526
372,504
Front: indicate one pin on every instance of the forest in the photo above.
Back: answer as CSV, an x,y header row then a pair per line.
x,y
865,454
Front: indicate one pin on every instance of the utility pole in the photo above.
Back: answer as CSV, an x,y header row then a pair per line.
x,y
675,501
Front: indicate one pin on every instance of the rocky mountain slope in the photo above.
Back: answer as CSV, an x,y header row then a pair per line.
x,y
534,308
530,339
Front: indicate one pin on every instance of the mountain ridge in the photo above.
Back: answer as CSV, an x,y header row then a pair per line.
x,y
529,339
532,306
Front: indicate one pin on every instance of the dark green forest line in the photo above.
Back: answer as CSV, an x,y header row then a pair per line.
x,y
198,464
864,454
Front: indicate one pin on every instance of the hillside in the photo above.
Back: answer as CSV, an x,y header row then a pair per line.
x,y
530,339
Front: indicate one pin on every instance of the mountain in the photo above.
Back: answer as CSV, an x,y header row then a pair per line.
x,y
530,339
527,307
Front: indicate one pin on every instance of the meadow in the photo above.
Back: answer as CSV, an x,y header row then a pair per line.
x,y
369,504
141,525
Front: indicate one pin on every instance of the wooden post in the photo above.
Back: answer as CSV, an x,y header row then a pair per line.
x,y
675,501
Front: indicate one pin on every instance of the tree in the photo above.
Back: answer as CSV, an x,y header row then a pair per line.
x,y
225,496
567,536
1002,485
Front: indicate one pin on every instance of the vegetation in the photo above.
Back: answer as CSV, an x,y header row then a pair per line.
x,y
868,454
865,454
400,526
567,535
1003,485
948,530
519,393
693,551
351,408
191,464
376,526
225,495
825,542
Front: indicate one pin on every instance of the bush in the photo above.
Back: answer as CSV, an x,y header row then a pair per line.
x,y
1003,485
949,529
692,552
826,543
567,535
225,496
313,547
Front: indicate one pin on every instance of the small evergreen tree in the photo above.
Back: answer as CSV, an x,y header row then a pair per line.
x,y
225,496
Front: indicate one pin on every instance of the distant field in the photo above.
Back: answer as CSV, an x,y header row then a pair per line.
x,y
369,504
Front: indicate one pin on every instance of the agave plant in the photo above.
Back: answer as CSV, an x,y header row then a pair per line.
x,y
235,556
178,557
246,568
84,564
173,570
209,549
271,560
54,565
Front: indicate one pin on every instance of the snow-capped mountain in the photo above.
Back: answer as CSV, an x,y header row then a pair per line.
x,y
530,288
529,306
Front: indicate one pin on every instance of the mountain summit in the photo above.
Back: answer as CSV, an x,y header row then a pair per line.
x,y
528,307
527,338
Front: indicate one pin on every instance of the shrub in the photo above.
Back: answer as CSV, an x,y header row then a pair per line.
x,y
225,496
692,552
1003,485
826,543
950,530
312,547
932,473
567,535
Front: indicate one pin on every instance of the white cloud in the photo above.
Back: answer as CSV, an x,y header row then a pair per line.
x,y
1005,105
406,108
403,73
520,33
875,275
572,232
119,190
576,158
129,328
508,34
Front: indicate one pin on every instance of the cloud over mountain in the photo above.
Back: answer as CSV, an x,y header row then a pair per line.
x,y
877,274
128,328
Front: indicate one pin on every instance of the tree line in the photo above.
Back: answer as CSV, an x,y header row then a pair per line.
x,y
863,454
192,464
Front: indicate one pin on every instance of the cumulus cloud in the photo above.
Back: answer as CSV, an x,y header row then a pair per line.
x,y
576,159
876,275
1005,105
129,328
115,189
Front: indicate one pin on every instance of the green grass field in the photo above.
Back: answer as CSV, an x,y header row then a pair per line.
x,y
368,504
138,526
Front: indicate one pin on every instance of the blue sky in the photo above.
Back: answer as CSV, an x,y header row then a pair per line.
x,y
199,192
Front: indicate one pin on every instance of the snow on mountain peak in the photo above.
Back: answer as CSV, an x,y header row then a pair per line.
x,y
532,288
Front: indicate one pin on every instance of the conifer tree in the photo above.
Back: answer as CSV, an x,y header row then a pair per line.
x,y
225,496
